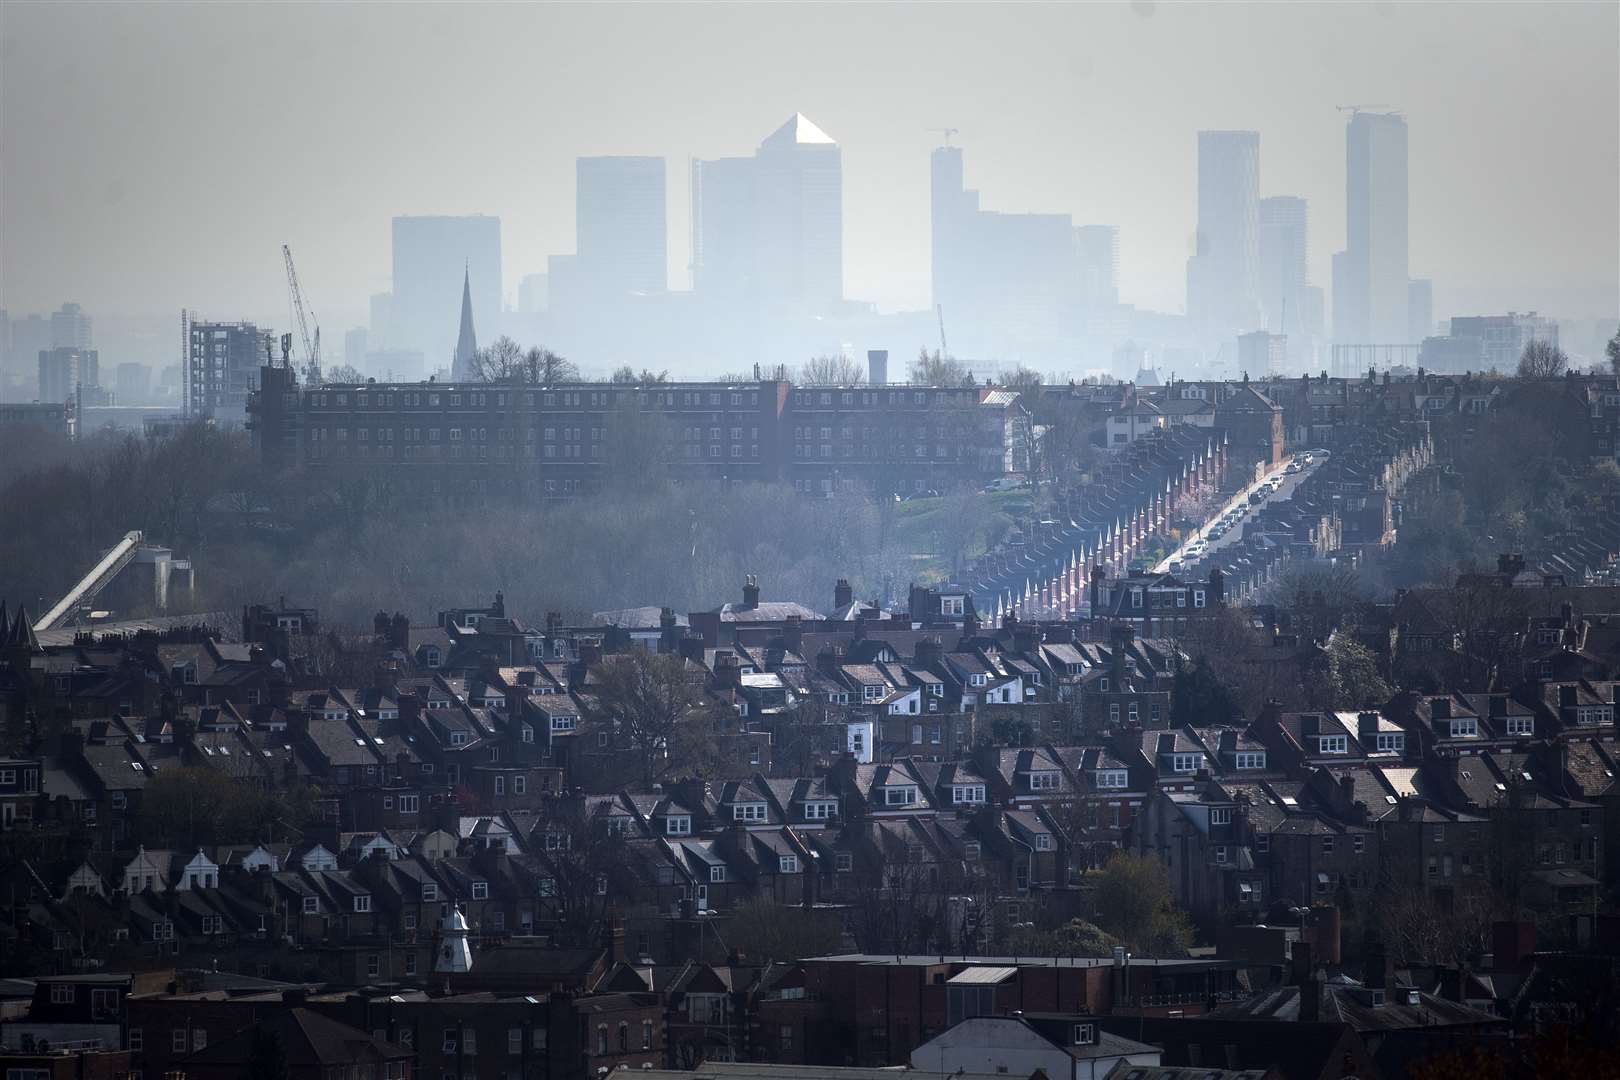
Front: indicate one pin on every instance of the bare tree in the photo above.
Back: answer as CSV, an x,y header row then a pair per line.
x,y
936,369
837,370
647,696
1542,360
1612,349
543,367
628,376
1022,378
505,361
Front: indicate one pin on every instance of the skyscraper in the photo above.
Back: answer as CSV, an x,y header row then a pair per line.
x,y
65,370
620,223
768,231
70,328
1098,252
1419,309
1221,285
427,253
1009,281
1370,304
1282,274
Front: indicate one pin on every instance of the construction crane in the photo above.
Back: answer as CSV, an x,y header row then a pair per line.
x,y
312,346
947,132
944,350
1353,109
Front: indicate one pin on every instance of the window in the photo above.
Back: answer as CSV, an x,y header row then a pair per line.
x,y
678,825
1327,845
480,890
1262,842
748,812
967,794
1084,1034
430,891
1113,778
137,1041
1184,763
1466,728
61,995
1359,844
1333,744
1391,742
1043,781
409,804
717,874
362,903
520,785
373,965
820,811
514,1040
1220,853
900,796
312,905
1043,842
843,862
1250,760
1220,815
1520,725
179,1040
788,864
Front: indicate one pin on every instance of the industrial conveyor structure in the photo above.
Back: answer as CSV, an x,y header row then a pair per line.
x,y
164,575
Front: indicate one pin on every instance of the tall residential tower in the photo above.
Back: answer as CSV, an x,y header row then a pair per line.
x,y
1370,275
1221,285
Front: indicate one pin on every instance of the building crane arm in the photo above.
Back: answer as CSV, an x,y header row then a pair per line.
x,y
312,345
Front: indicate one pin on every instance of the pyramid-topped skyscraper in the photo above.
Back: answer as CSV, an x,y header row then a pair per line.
x,y
769,229
461,368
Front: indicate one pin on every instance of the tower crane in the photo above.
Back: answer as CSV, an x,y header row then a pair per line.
x,y
1353,109
312,346
947,132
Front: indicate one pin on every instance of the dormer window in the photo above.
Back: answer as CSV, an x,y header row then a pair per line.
x,y
1520,725
430,892
1043,781
480,890
1083,1034
458,738
952,605
1184,763
820,810
1249,759
788,864
1392,742
678,825
1043,841
1590,715
1467,728
967,794
1333,744
976,680
1112,778
900,796
717,874
1220,815
749,811
871,693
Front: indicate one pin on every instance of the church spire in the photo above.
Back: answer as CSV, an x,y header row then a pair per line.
x,y
467,344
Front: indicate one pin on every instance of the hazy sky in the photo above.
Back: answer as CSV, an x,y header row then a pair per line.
x,y
154,156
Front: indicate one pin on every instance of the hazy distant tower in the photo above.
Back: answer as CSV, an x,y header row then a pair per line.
x,y
1282,269
1370,303
620,223
768,231
1221,292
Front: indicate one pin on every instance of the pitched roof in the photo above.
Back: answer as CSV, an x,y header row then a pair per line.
x,y
799,131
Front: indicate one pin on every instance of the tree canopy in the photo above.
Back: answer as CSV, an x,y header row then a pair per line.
x,y
1134,903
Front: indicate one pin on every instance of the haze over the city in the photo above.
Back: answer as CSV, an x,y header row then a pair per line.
x,y
156,156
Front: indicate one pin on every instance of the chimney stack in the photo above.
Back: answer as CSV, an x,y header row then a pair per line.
x,y
843,595
877,367
1310,998
751,592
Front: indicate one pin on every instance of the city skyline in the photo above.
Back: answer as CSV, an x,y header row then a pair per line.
x,y
77,244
